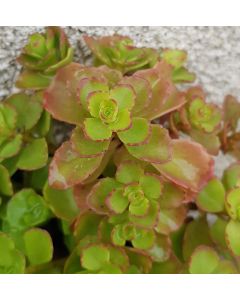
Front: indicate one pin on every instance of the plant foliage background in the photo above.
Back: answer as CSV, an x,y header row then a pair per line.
x,y
107,165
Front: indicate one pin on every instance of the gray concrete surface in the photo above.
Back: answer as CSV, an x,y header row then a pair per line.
x,y
214,55
214,52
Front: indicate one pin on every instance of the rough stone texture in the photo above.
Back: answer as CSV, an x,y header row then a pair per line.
x,y
214,54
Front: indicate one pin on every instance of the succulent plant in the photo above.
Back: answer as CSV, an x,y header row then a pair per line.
x,y
109,168
42,56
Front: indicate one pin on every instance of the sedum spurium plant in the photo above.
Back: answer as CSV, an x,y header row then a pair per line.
x,y
129,187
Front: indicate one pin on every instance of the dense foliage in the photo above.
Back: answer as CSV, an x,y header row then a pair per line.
x,y
109,168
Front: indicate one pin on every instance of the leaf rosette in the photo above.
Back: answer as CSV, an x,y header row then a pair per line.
x,y
42,56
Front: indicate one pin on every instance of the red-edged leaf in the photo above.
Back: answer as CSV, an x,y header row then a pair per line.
x,y
191,166
68,168
157,148
61,98
165,97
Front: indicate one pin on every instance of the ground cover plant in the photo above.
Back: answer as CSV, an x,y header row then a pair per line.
x,y
129,185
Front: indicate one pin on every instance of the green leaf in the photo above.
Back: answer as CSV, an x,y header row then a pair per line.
x,y
124,96
11,260
204,260
233,203
139,207
61,202
10,147
129,172
138,133
96,130
8,119
95,257
95,99
28,110
196,234
99,193
174,57
156,150
86,147
6,187
211,197
231,176
26,209
32,80
152,186
117,202
149,220
217,232
233,236
144,239
190,167
182,75
87,225
122,122
42,127
34,155
225,267
38,245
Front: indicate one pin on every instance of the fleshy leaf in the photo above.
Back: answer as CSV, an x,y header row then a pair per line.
x,y
28,110
97,197
26,209
161,250
190,167
124,96
217,232
117,202
152,186
231,109
211,197
38,245
86,225
61,202
144,239
61,98
129,172
182,75
210,141
6,187
231,176
164,97
156,150
204,260
196,234
233,204
122,122
150,219
86,147
96,130
10,147
233,236
32,80
34,155
170,220
138,133
174,57
68,168
172,196
95,257
11,260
